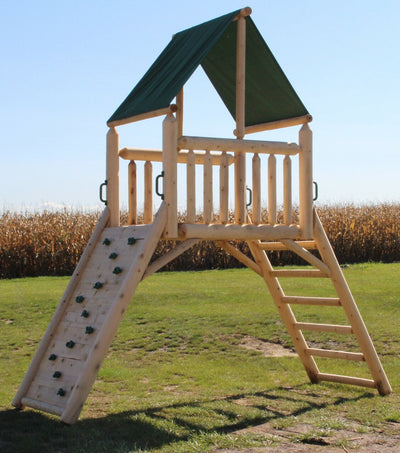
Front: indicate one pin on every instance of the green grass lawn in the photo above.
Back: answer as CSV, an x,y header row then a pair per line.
x,y
176,378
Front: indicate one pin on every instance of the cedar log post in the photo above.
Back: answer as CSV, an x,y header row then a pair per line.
x,y
112,176
240,157
170,161
306,182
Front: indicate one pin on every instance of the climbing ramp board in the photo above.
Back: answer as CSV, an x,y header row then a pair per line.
x,y
71,352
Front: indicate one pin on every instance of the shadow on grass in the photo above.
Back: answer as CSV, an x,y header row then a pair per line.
x,y
152,428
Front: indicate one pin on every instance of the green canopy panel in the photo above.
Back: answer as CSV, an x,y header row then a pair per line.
x,y
269,94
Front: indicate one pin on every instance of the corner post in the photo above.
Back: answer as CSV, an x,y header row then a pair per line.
x,y
306,182
170,162
112,176
240,157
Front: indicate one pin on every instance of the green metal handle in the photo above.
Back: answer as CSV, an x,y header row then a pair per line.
x,y
316,191
250,197
161,195
101,192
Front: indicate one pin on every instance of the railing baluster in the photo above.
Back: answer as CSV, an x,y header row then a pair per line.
x,y
132,195
272,189
256,189
208,188
240,187
191,187
224,189
287,191
148,192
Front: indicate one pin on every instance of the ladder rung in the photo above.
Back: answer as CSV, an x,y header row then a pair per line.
x,y
316,273
41,406
346,380
356,356
323,327
309,245
302,300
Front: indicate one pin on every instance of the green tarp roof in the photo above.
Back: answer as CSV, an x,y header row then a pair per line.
x,y
269,94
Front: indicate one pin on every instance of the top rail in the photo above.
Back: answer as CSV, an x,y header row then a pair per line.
x,y
156,155
238,145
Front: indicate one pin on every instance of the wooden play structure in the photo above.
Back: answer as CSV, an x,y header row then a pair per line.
x,y
259,97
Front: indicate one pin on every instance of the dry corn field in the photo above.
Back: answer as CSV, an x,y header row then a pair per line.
x,y
50,243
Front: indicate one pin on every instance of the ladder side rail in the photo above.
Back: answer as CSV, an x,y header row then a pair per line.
x,y
351,309
60,310
285,311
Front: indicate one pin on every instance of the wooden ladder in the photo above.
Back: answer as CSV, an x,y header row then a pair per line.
x,y
326,267
72,350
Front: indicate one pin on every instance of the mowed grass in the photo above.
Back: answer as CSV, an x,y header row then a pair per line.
x,y
176,378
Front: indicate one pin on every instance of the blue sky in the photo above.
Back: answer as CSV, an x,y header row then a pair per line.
x,y
67,65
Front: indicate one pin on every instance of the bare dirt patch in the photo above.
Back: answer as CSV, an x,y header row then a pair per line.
x,y
266,348
300,439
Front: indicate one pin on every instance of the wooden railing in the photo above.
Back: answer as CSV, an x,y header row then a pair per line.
x,y
209,152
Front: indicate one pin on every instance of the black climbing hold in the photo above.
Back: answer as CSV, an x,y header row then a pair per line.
x,y
52,357
113,255
85,314
79,299
61,392
89,329
57,374
106,241
132,241
70,344
98,285
117,270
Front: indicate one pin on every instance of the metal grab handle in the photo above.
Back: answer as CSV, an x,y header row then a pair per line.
x,y
250,196
101,192
316,191
161,195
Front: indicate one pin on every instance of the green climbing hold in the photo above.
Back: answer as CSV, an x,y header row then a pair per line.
x,y
70,344
132,241
113,255
117,270
79,299
89,329
106,241
85,314
61,392
98,285
57,374
52,357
